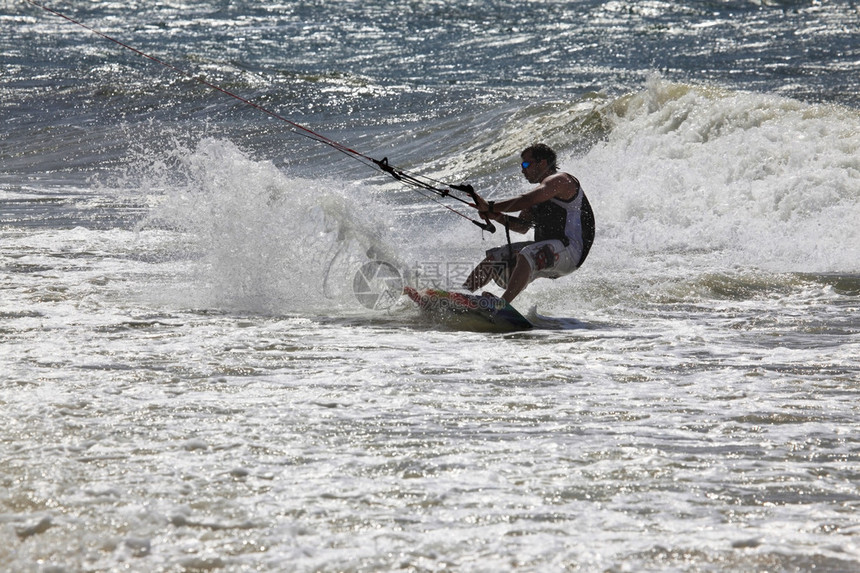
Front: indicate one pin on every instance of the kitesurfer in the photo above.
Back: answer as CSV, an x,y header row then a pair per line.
x,y
563,227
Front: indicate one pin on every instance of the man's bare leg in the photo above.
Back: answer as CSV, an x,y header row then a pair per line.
x,y
519,279
480,276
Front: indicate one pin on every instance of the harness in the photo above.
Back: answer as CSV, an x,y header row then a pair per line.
x,y
551,221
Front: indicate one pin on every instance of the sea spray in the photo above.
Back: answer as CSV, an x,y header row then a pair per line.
x,y
264,240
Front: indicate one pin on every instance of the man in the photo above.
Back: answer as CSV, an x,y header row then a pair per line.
x,y
562,219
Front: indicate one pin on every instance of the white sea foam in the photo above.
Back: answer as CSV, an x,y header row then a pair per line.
x,y
749,179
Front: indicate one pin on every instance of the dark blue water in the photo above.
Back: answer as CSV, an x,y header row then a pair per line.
x,y
72,100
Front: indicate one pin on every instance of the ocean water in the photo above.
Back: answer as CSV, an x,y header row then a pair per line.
x,y
192,379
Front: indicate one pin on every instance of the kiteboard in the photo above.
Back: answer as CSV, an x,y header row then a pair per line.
x,y
469,311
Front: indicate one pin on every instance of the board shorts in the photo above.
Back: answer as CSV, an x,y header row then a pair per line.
x,y
547,259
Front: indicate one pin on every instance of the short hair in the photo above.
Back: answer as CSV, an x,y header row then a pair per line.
x,y
541,151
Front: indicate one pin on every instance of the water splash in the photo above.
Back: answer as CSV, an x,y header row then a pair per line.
x,y
263,240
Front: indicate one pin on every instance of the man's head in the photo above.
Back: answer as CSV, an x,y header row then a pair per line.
x,y
542,151
539,160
